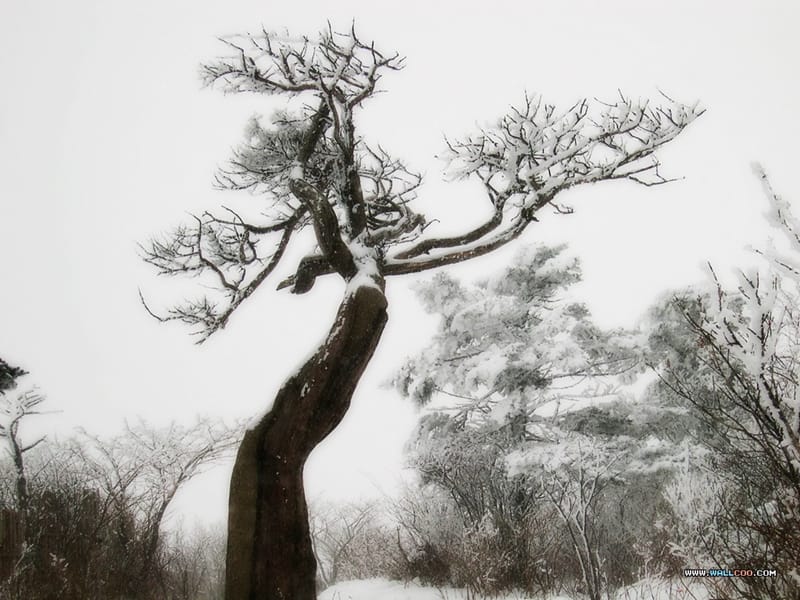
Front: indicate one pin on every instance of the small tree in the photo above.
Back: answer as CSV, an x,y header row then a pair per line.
x,y
336,530
574,490
314,170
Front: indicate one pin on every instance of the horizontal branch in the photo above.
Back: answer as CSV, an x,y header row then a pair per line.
x,y
426,246
397,266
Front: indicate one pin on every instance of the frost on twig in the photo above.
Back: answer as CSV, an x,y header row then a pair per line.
x,y
780,216
538,148
274,63
148,465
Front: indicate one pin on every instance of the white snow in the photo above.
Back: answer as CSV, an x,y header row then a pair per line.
x,y
375,589
297,173
383,589
367,272
652,588
361,279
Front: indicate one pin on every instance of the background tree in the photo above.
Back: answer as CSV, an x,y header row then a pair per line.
x,y
337,531
14,408
315,171
194,564
532,418
574,492
514,342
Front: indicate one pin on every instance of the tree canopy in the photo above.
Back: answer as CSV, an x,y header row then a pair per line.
x,y
312,169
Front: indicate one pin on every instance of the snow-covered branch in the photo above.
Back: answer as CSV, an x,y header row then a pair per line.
x,y
535,148
336,64
536,151
228,251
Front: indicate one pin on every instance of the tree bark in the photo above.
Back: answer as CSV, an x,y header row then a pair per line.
x,y
270,555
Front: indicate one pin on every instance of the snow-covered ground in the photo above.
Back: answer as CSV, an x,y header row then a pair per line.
x,y
660,589
382,589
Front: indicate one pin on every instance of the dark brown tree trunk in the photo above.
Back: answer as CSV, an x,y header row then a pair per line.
x,y
270,555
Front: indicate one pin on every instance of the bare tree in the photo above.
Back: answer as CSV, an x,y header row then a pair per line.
x,y
314,171
95,514
195,564
335,529
574,493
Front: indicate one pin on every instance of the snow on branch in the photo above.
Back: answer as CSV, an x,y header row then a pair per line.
x,y
388,186
537,148
780,216
536,151
337,64
307,167
13,410
311,168
515,343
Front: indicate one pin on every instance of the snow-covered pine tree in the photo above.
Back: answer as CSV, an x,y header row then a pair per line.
x,y
528,402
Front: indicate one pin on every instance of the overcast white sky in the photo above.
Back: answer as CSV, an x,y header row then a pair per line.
x,y
106,138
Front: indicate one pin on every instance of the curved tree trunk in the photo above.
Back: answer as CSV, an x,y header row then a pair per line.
x,y
270,554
